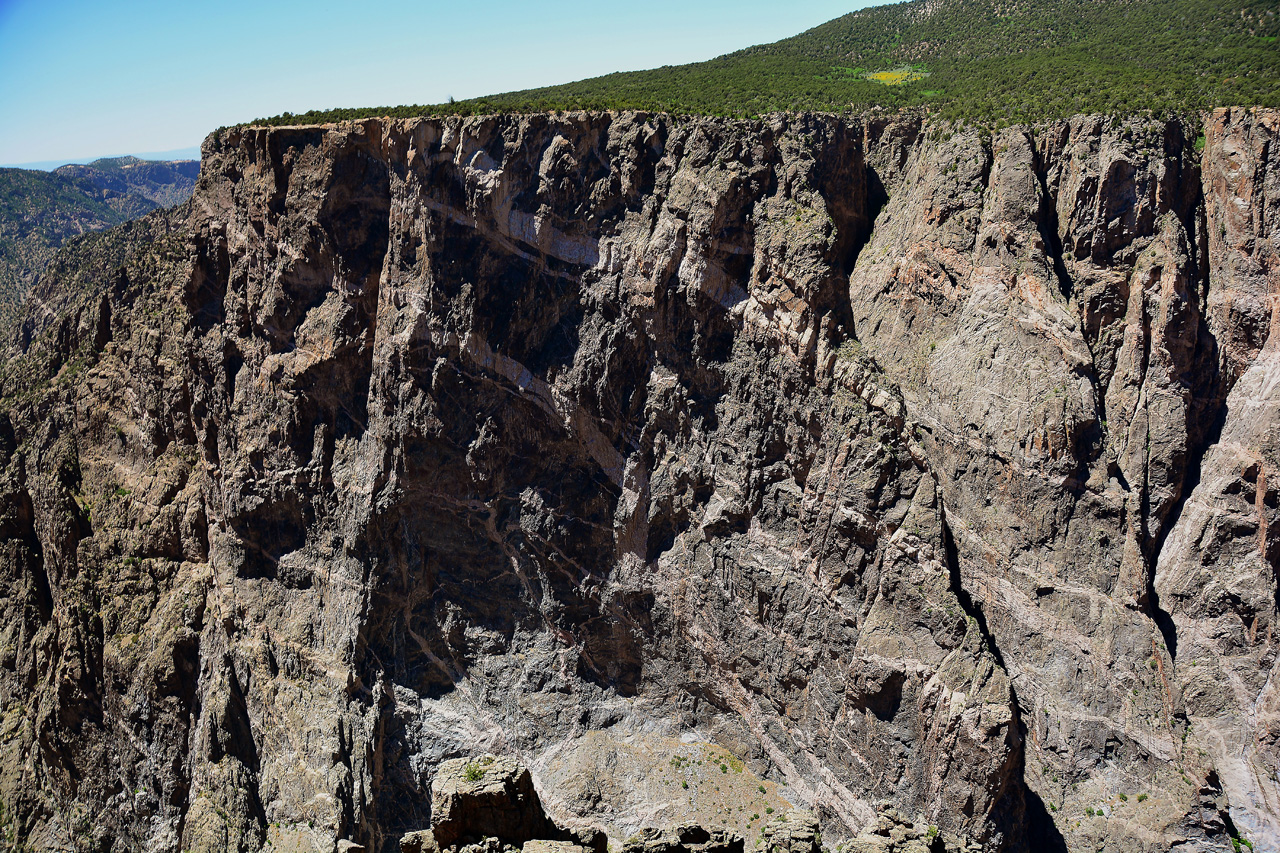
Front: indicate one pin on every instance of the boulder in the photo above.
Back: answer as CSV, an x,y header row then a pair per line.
x,y
489,805
488,797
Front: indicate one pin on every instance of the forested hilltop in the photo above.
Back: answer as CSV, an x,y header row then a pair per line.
x,y
985,61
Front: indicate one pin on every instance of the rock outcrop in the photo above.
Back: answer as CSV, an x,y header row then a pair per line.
x,y
490,804
890,832
688,838
898,461
794,832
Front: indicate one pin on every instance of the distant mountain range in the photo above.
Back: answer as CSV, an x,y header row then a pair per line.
x,y
191,152
40,211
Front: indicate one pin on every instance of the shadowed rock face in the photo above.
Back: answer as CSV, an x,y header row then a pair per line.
x,y
902,462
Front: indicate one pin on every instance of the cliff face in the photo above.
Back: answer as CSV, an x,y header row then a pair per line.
x,y
865,459
1083,341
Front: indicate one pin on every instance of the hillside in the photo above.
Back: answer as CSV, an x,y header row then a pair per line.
x,y
40,211
165,183
986,61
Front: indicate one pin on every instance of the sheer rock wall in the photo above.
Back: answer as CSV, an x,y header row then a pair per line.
x,y
903,462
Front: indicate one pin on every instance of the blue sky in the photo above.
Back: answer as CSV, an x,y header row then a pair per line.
x,y
83,79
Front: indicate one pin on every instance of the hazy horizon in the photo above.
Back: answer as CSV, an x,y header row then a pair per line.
x,y
79,81
189,153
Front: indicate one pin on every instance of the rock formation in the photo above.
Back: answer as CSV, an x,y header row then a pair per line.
x,y
688,838
491,804
890,832
795,832
894,460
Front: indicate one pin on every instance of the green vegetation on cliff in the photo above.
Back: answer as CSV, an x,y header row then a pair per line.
x,y
40,211
980,60
164,182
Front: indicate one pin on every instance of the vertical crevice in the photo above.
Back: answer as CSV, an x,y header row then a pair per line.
x,y
876,199
1042,834
1207,411
1038,830
967,604
1049,228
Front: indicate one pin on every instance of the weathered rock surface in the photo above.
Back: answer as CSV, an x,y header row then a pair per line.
x,y
890,832
901,462
490,804
794,832
688,838
1079,335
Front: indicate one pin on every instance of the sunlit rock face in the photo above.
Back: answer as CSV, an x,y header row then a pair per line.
x,y
708,467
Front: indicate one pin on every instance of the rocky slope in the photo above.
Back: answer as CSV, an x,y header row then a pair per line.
x,y
162,182
835,460
42,211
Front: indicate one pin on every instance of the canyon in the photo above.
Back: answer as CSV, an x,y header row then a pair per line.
x,y
712,468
